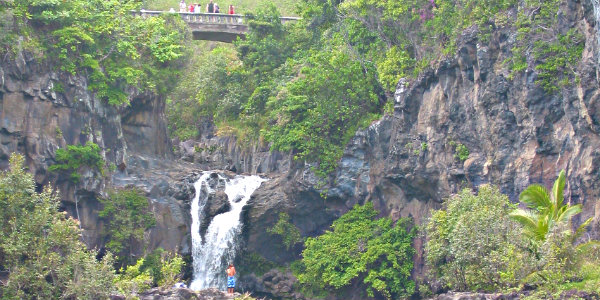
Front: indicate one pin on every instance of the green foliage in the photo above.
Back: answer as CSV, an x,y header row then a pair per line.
x,y
164,267
566,267
394,66
103,40
171,266
362,249
213,91
254,263
555,54
288,232
546,210
462,152
127,215
76,157
41,253
472,244
133,280
287,7
563,266
558,60
279,87
317,113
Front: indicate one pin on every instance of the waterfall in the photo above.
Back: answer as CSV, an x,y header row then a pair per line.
x,y
212,253
596,4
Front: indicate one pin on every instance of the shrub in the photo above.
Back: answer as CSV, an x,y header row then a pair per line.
x,y
462,152
164,267
41,253
128,216
362,250
76,157
133,280
472,244
288,232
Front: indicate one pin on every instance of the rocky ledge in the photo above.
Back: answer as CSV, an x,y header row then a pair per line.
x,y
181,294
568,295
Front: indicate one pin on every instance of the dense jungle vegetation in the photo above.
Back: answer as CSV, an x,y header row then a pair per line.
x,y
308,86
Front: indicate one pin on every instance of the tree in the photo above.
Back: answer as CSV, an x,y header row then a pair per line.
x,y
128,216
40,248
473,245
546,209
362,250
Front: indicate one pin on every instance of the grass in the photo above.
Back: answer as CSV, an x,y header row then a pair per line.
x,y
286,7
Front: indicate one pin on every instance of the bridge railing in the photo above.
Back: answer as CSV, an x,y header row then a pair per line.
x,y
207,18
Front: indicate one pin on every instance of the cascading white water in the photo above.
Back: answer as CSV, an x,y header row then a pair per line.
x,y
211,255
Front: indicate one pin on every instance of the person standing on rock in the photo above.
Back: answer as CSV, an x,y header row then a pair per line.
x,y
230,279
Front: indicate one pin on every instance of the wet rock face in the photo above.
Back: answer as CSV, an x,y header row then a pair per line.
x,y
217,203
225,153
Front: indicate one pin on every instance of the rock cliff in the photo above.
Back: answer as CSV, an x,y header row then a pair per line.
x,y
42,110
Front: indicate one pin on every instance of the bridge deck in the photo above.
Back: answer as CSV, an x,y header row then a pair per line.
x,y
213,27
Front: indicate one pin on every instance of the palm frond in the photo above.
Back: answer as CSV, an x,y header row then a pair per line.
x,y
533,226
558,189
568,212
536,196
581,229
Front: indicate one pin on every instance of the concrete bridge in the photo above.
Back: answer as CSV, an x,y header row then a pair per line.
x,y
212,27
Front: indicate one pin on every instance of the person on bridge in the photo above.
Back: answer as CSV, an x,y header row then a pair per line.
x,y
198,8
210,7
192,6
182,6
217,10
231,11
230,279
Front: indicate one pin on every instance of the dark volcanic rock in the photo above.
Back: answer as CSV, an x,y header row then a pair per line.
x,y
275,283
42,110
217,203
568,295
169,186
185,294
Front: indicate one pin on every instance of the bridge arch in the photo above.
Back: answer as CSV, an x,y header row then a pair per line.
x,y
212,27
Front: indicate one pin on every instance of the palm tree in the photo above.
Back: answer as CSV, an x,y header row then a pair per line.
x,y
546,209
